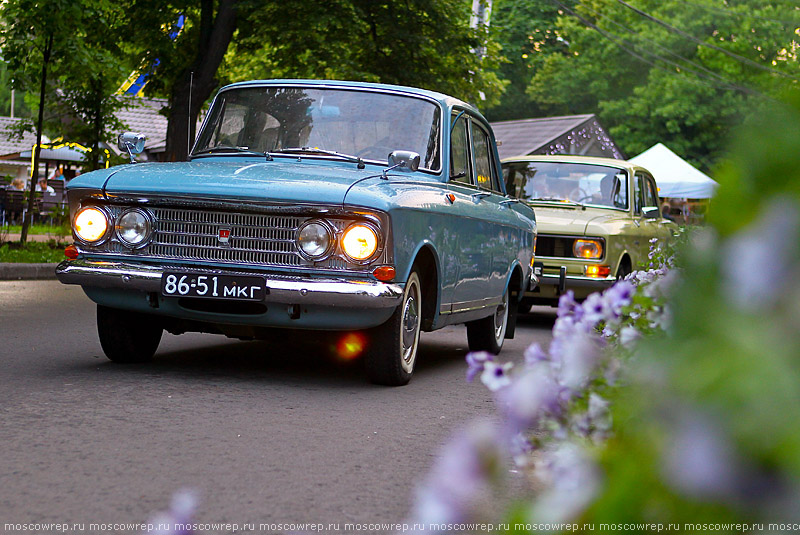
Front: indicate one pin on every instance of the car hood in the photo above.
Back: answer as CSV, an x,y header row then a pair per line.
x,y
573,220
281,181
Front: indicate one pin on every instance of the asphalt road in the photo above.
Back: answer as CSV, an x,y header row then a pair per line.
x,y
265,433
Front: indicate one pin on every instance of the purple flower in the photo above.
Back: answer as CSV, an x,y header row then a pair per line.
x,y
700,461
535,354
476,361
595,310
619,296
460,478
495,376
531,396
178,516
567,306
757,262
578,356
573,482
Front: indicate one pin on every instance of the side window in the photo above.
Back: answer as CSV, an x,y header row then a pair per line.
x,y
638,193
651,193
483,158
460,168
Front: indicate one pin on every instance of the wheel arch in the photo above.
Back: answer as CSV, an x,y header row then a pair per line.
x,y
426,262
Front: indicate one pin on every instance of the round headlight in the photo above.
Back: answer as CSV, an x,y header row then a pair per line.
x,y
314,239
359,241
91,224
133,228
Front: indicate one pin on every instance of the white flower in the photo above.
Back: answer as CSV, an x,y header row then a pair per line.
x,y
573,482
495,376
628,336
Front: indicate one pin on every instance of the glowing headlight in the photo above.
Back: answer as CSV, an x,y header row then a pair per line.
x,y
360,241
314,239
91,224
588,248
133,228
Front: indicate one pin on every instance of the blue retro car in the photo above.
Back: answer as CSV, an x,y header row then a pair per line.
x,y
316,205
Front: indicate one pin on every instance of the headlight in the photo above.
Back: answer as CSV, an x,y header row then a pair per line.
x,y
360,241
314,239
91,224
133,228
588,249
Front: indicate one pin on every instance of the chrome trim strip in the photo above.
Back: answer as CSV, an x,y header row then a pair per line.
x,y
281,289
577,280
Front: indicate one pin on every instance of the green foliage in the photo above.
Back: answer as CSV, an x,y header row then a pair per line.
x,y
651,84
418,43
32,252
527,33
708,426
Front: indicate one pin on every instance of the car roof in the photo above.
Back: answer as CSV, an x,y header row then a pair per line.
x,y
445,100
575,158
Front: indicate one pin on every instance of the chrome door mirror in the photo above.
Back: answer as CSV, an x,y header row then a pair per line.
x,y
132,143
404,160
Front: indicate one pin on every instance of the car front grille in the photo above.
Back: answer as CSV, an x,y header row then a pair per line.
x,y
259,239
554,246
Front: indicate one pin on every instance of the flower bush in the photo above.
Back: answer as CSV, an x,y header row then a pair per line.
x,y
672,398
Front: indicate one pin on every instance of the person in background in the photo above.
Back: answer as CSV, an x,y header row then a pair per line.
x,y
43,187
17,184
58,174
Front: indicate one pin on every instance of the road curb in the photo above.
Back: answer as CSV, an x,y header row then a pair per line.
x,y
12,271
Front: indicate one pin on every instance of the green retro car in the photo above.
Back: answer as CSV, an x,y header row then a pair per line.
x,y
595,216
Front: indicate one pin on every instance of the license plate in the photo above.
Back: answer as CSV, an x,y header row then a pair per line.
x,y
537,268
237,287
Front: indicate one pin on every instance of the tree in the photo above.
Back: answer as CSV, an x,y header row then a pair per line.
x,y
524,29
420,43
187,66
38,40
670,71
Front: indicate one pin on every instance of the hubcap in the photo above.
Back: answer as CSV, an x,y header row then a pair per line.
x,y
410,333
500,318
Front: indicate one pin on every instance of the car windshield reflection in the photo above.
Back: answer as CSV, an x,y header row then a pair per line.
x,y
594,185
360,125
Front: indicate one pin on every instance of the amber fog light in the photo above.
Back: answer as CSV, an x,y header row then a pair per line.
x,y
91,224
587,249
597,271
360,241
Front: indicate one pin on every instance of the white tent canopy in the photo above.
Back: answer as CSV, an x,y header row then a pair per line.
x,y
675,177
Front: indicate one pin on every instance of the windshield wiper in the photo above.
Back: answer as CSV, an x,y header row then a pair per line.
x,y
316,150
238,150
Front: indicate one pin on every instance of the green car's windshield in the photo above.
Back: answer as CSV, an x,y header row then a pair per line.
x,y
570,182
359,124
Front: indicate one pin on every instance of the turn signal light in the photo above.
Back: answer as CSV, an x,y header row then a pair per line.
x,y
597,271
71,252
384,273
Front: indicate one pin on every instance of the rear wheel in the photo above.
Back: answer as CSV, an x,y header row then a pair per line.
x,y
127,336
393,346
487,334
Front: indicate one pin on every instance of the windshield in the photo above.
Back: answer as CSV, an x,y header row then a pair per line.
x,y
575,182
355,123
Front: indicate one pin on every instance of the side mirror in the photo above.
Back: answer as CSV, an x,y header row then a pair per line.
x,y
131,142
405,160
651,212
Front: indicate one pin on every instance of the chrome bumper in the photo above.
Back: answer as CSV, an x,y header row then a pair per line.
x,y
280,289
575,281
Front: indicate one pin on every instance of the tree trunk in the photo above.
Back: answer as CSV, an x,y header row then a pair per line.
x,y
198,80
37,149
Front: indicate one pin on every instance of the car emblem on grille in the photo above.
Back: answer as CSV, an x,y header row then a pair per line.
x,y
224,236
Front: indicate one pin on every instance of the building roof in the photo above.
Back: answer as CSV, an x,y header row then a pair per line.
x,y
13,145
569,134
143,116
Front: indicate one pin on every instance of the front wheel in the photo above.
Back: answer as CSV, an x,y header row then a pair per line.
x,y
393,347
487,334
127,336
